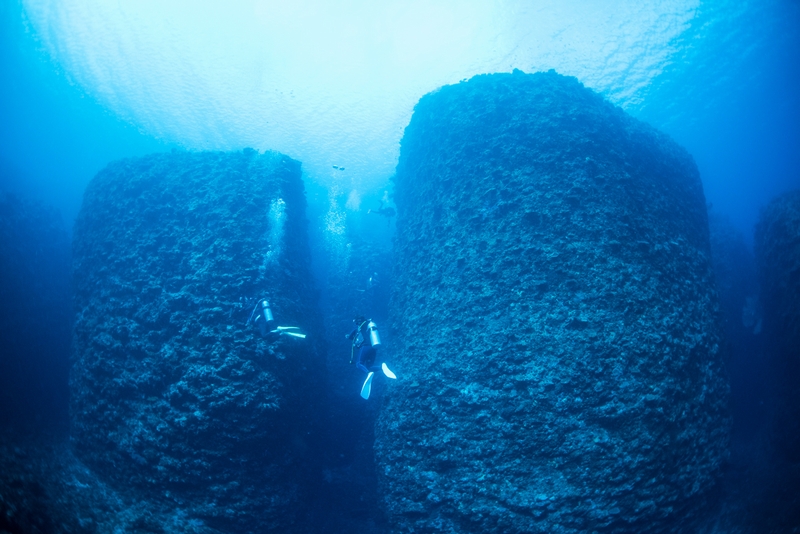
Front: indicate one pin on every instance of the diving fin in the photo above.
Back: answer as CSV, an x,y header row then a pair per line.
x,y
294,334
388,372
287,331
367,387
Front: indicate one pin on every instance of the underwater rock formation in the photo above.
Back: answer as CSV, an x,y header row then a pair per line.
x,y
35,315
554,319
777,250
172,392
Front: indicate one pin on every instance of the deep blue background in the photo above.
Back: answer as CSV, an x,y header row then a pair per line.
x,y
733,102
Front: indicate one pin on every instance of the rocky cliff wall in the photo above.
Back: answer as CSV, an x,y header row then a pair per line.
x,y
172,394
554,319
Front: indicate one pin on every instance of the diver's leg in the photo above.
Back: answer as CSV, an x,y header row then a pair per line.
x,y
370,355
362,360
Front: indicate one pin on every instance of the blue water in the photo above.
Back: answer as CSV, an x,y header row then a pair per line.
x,y
334,84
721,77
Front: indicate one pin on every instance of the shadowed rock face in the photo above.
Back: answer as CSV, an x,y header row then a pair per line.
x,y
171,392
777,250
553,319
777,247
742,324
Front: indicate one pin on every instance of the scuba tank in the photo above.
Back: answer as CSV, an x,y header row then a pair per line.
x,y
266,315
261,320
374,338
266,311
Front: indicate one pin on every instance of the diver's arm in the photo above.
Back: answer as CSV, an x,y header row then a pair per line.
x,y
352,335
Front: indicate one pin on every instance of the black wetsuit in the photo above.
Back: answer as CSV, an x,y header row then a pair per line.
x,y
365,359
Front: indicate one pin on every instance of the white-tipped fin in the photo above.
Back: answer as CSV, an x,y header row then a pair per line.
x,y
287,331
294,334
367,387
388,372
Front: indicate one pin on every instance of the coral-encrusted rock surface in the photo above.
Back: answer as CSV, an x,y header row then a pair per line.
x,y
171,392
554,319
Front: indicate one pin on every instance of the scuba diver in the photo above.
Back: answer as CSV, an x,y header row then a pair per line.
x,y
372,284
387,212
366,340
262,318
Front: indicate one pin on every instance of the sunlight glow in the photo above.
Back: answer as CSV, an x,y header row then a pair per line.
x,y
334,83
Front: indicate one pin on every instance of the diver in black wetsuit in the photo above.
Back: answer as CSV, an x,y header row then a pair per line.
x,y
387,212
365,340
261,317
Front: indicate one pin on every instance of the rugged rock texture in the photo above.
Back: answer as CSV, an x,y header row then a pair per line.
x,y
35,315
44,489
554,318
777,248
171,392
